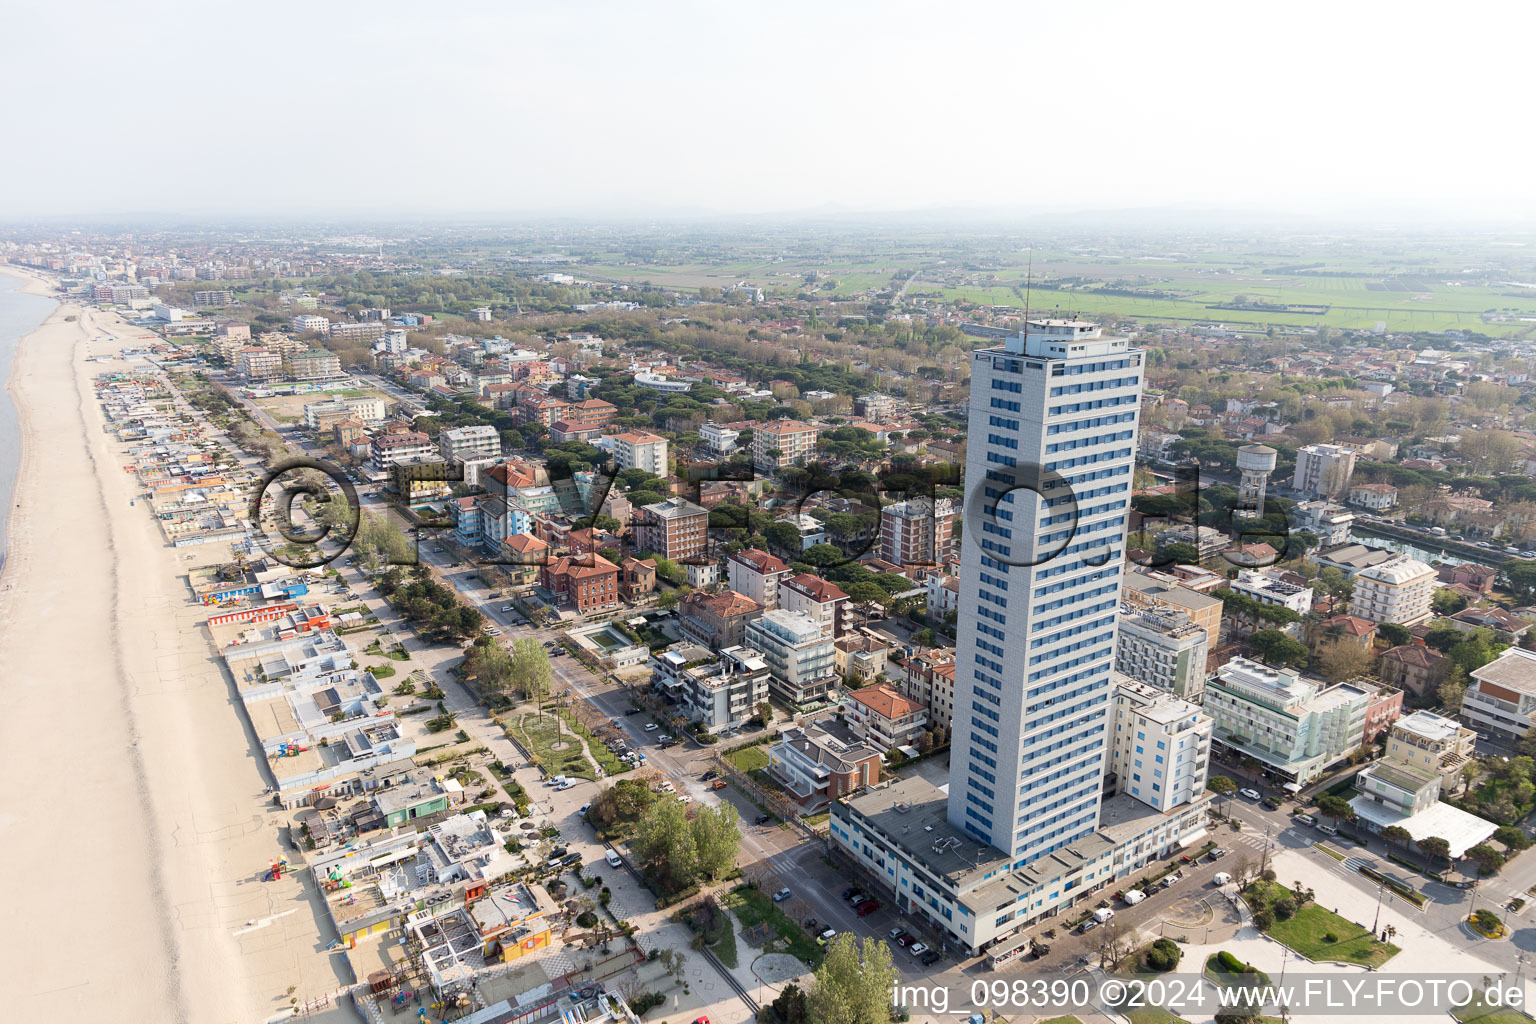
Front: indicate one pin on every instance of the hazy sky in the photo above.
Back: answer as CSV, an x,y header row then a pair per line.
x,y
647,107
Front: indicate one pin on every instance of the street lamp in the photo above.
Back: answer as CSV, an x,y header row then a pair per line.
x,y
1376,923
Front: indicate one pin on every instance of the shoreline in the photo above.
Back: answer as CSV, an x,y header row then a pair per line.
x,y
32,283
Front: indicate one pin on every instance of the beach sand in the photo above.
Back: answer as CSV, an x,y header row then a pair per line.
x,y
136,827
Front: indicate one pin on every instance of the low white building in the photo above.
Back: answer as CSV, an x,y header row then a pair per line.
x,y
1501,698
1266,589
1329,521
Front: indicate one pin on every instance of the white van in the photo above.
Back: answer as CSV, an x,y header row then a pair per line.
x,y
1221,878
508,608
1103,914
1328,830
612,857
1305,819
1134,897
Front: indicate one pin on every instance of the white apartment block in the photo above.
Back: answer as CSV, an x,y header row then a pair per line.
x,y
307,322
798,653
792,441
1398,590
1040,583
1165,649
477,442
815,598
1160,745
757,574
641,450
1323,470
723,694
1329,520
1266,589
719,438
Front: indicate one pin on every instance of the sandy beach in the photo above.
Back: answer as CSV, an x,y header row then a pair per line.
x,y
137,828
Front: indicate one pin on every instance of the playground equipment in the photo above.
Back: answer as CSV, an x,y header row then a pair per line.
x,y
289,750
275,870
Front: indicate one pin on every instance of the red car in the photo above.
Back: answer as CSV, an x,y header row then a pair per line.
x,y
702,1020
867,907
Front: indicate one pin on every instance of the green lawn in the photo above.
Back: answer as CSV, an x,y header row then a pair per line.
x,y
1066,1019
1476,1012
749,758
1305,932
725,946
754,907
538,734
1153,1016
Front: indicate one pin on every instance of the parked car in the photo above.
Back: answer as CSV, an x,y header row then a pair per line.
x,y
613,858
855,897
492,631
896,934
1305,819
826,936
582,812
1249,794
1133,897
651,726
904,940
708,775
867,907
848,892
762,819
917,949
932,957
809,924
782,895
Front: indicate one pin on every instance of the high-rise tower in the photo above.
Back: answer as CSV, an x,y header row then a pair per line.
x,y
1052,446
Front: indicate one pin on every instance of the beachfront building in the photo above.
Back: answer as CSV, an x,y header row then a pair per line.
x,y
1166,591
1295,727
1164,649
1500,701
1159,745
1040,587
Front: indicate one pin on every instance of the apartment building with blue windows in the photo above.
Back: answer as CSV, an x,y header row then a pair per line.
x,y
1052,447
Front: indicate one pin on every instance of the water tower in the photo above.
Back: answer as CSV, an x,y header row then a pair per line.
x,y
1255,462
